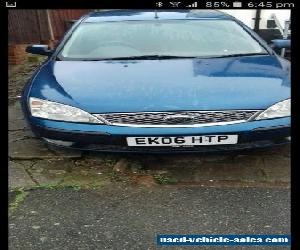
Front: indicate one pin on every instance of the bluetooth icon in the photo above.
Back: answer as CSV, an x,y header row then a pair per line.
x,y
159,4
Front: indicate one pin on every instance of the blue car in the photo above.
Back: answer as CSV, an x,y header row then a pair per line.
x,y
160,81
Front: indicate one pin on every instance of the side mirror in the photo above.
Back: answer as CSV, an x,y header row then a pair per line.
x,y
281,43
271,24
39,49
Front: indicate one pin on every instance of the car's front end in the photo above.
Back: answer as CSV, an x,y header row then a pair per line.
x,y
244,135
160,104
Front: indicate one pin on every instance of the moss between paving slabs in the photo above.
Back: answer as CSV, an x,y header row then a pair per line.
x,y
51,186
76,182
87,182
73,182
19,196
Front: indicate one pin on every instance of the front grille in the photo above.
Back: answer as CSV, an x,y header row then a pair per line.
x,y
177,118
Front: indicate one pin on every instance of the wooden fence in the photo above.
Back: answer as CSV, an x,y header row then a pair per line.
x,y
32,26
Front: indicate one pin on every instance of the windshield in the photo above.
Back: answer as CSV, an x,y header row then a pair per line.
x,y
182,38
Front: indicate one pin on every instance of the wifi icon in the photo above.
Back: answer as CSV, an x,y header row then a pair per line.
x,y
193,5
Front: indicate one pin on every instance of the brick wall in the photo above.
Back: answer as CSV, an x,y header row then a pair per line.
x,y
16,53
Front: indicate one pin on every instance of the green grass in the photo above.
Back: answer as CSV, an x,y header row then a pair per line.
x,y
161,179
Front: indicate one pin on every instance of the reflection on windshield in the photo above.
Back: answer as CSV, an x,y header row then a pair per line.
x,y
172,38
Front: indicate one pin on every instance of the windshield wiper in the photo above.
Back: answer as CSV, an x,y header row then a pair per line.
x,y
171,57
148,57
237,55
158,57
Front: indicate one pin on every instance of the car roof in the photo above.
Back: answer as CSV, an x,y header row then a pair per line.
x,y
130,15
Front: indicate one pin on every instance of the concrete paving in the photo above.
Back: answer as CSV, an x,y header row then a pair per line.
x,y
19,177
22,143
121,216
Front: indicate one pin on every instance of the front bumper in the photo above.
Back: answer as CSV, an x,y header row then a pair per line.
x,y
254,134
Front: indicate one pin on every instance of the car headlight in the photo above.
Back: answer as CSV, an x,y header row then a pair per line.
x,y
280,109
59,112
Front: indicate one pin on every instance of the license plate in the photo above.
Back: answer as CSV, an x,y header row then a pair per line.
x,y
182,140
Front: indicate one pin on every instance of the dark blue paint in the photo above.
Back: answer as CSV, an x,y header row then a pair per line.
x,y
253,82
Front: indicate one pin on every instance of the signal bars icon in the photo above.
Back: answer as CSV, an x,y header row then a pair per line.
x,y
193,5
